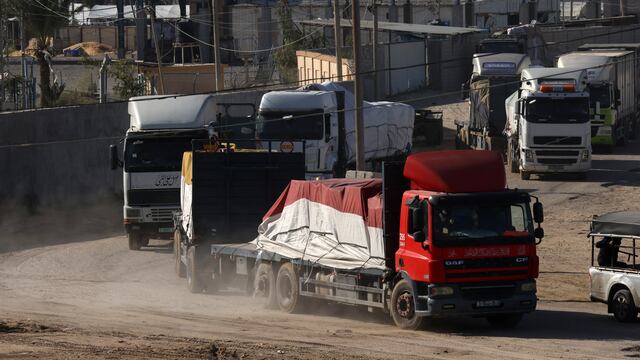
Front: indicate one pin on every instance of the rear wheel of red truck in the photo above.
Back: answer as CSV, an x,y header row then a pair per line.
x,y
505,321
287,291
403,309
264,286
179,267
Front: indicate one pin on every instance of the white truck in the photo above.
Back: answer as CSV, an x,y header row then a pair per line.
x,y
161,130
548,128
321,116
615,270
611,78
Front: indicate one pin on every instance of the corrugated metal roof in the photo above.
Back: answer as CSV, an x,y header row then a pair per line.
x,y
399,27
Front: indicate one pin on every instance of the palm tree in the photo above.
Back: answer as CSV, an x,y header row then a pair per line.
x,y
41,19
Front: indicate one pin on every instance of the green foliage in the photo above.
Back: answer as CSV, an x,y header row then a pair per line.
x,y
127,83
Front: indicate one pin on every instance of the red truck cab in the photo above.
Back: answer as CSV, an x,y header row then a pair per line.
x,y
466,243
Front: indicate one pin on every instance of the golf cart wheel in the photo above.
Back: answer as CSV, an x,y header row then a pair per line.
x,y
624,309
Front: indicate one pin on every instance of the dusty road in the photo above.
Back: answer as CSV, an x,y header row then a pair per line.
x,y
97,299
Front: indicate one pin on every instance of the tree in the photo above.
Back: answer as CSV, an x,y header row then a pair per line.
x,y
41,19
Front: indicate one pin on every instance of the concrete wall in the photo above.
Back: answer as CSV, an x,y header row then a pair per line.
x,y
57,157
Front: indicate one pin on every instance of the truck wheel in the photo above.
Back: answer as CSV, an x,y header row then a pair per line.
x,y
287,291
506,321
402,306
264,286
624,309
179,267
194,281
524,175
135,241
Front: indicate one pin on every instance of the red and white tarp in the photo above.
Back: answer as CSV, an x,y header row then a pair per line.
x,y
335,223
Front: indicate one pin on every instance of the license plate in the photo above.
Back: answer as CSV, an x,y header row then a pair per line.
x,y
165,230
488,303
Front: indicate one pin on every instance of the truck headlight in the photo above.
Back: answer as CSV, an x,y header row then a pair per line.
x,y
604,131
585,155
528,154
528,286
131,213
440,291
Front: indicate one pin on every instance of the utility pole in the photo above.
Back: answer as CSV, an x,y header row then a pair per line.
x,y
337,30
152,15
355,19
25,93
623,7
374,58
120,23
141,30
215,15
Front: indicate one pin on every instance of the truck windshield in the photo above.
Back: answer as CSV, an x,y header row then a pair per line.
x,y
482,221
155,154
293,125
558,110
599,93
500,47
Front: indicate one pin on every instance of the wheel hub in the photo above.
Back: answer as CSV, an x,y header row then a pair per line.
x,y
404,305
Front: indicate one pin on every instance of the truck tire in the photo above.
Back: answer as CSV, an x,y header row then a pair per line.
x,y
287,291
135,240
403,307
506,321
525,175
512,160
624,309
179,267
194,279
264,286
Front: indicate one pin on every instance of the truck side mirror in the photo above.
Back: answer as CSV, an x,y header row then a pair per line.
x,y
538,233
417,218
113,157
327,127
419,236
538,212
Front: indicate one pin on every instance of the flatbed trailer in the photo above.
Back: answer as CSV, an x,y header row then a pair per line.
x,y
414,273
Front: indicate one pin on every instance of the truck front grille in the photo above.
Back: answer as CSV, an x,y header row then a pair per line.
x,y
163,215
476,293
557,161
557,140
557,153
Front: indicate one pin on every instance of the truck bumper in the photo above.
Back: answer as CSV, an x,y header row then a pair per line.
x,y
553,163
478,300
160,230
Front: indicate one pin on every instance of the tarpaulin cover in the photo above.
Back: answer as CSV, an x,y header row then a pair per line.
x,y
456,171
388,126
335,223
186,192
617,223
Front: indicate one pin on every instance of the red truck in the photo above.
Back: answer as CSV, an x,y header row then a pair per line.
x,y
439,235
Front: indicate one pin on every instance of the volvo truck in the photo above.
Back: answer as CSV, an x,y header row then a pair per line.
x,y
438,235
611,83
548,128
161,130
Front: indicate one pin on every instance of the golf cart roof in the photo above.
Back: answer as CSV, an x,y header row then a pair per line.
x,y
621,223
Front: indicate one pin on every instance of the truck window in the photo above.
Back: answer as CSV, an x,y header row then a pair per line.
x,y
155,154
482,221
293,125
599,93
557,111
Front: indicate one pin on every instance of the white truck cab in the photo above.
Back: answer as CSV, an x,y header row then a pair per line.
x,y
161,130
548,129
